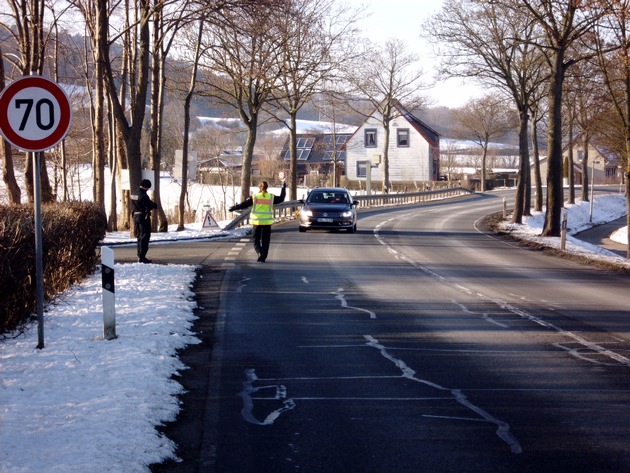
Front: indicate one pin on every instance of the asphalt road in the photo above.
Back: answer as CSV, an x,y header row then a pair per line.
x,y
418,344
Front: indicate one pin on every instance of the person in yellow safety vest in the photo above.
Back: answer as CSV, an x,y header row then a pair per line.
x,y
261,216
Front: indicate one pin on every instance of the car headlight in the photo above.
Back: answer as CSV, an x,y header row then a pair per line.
x,y
306,213
347,213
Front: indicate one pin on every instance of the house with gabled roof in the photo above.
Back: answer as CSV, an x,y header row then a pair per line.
x,y
317,153
414,149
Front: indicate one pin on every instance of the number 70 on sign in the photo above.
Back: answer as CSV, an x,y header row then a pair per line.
x,y
35,113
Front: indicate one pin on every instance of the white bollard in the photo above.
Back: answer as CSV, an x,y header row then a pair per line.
x,y
109,297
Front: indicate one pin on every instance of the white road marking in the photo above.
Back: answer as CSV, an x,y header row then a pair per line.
x,y
485,315
503,428
504,305
242,284
279,393
339,296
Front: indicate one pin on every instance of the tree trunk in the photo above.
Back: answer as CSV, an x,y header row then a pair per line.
x,y
248,154
538,198
121,157
158,80
570,161
8,171
484,157
524,171
8,176
555,196
112,221
139,77
187,102
99,107
293,168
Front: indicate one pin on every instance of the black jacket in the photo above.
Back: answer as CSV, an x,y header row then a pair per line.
x,y
141,204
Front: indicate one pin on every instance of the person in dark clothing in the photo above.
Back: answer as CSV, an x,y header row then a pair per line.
x,y
261,216
141,207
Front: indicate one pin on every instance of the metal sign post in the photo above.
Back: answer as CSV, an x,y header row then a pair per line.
x,y
39,259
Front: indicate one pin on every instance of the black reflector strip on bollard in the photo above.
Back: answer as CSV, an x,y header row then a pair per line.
x,y
108,278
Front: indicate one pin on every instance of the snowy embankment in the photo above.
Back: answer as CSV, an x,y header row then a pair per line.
x,y
606,208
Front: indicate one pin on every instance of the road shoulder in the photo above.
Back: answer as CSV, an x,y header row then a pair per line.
x,y
187,431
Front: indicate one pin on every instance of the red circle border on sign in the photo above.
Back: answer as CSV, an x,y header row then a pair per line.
x,y
60,131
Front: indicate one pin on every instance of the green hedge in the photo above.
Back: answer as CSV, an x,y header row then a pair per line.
x,y
70,234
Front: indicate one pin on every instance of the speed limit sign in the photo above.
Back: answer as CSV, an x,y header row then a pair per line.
x,y
35,113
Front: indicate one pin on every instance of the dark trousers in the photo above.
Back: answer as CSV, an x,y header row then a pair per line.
x,y
262,237
142,229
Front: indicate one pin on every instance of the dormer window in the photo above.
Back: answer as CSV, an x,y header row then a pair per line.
x,y
370,137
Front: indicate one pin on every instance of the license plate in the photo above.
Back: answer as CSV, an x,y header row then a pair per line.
x,y
325,220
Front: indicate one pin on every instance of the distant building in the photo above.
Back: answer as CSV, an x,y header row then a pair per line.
x,y
603,166
317,154
414,149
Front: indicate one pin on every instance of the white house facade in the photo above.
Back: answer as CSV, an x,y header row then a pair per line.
x,y
414,149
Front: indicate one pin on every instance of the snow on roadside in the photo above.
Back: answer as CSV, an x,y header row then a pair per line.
x,y
606,208
84,404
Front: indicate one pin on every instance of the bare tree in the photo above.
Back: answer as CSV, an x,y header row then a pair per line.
x,y
333,105
386,76
613,52
168,19
129,119
95,14
564,23
588,103
240,67
484,40
486,119
316,38
187,101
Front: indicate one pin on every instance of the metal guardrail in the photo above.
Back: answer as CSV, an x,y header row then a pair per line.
x,y
381,200
286,210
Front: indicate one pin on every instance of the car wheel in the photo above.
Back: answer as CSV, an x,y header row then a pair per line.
x,y
352,229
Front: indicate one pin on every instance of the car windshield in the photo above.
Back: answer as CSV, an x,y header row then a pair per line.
x,y
328,197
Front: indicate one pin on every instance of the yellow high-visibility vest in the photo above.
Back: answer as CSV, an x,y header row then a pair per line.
x,y
262,209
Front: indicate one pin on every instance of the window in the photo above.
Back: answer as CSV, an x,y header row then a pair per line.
x,y
403,137
362,168
370,137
